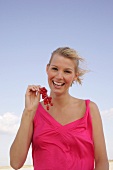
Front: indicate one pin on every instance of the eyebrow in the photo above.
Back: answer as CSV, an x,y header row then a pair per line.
x,y
65,68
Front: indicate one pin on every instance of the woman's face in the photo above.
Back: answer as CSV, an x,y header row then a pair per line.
x,y
61,74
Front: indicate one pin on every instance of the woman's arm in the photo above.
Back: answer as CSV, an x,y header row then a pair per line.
x,y
101,160
21,144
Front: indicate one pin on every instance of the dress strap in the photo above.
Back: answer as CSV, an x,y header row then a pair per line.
x,y
87,102
87,105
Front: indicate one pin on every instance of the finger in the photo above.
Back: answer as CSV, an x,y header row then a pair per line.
x,y
37,88
32,88
38,96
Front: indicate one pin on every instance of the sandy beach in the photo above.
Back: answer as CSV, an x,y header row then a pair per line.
x,y
29,167
110,165
26,167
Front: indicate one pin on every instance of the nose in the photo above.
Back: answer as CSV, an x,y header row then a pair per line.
x,y
59,75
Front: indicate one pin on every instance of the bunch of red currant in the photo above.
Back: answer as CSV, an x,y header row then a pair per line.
x,y
47,99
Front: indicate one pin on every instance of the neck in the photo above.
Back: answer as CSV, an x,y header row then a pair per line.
x,y
60,100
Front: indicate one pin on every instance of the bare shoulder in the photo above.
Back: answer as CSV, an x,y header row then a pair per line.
x,y
93,105
94,110
95,115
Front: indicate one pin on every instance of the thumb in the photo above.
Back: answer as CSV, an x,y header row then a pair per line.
x,y
38,96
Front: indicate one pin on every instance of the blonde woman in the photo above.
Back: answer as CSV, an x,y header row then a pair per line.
x,y
68,136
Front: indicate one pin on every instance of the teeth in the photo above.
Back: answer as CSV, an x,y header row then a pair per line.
x,y
58,84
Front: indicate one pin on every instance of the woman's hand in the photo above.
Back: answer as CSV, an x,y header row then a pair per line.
x,y
32,98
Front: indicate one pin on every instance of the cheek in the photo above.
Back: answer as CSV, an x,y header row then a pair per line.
x,y
69,79
50,75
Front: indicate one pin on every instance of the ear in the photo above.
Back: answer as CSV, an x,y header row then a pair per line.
x,y
76,76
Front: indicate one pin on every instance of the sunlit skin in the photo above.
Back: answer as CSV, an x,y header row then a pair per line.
x,y
61,74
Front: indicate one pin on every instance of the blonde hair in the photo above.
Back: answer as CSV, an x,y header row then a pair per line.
x,y
73,55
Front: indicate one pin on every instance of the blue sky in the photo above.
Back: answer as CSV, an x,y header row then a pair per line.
x,y
29,32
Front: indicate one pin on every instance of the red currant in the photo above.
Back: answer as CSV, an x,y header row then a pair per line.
x,y
47,107
47,99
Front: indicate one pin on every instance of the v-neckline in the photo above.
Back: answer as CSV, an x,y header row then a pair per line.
x,y
70,124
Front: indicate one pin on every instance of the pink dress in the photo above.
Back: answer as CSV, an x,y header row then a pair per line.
x,y
58,147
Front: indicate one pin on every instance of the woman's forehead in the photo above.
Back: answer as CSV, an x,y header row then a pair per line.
x,y
60,60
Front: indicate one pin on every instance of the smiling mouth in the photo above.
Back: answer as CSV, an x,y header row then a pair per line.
x,y
58,84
